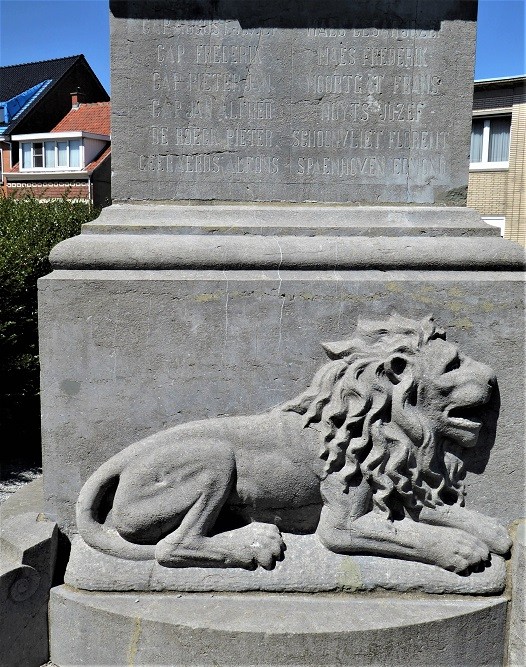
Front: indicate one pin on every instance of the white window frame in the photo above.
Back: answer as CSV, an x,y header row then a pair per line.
x,y
484,164
496,221
44,168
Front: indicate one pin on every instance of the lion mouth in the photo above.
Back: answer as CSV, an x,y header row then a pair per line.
x,y
466,417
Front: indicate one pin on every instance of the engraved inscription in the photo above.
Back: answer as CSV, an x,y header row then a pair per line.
x,y
344,83
309,105
209,164
228,55
395,57
210,136
363,139
371,166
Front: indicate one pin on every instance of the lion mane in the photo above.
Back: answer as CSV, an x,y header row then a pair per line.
x,y
351,400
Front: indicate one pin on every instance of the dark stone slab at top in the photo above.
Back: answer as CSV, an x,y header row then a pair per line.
x,y
292,101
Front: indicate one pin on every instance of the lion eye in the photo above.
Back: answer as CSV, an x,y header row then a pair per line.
x,y
398,365
453,365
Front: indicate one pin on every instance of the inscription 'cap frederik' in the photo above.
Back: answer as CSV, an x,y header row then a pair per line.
x,y
300,102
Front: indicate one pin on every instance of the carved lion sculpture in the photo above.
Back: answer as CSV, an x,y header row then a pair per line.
x,y
370,457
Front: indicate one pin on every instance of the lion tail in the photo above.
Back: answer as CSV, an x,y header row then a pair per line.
x,y
94,500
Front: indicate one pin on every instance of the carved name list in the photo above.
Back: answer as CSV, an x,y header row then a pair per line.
x,y
295,114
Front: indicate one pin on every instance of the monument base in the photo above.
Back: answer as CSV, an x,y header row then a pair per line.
x,y
251,629
159,315
308,567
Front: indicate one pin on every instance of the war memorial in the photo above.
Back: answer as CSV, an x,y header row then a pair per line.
x,y
283,374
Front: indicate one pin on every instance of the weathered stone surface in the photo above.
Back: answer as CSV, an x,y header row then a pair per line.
x,y
302,101
127,353
28,545
156,236
185,629
28,498
289,220
136,251
517,622
307,568
380,434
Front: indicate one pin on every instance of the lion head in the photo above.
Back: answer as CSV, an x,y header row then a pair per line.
x,y
397,405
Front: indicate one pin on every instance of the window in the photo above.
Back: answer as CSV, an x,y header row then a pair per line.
x,y
62,153
38,156
490,142
52,154
74,153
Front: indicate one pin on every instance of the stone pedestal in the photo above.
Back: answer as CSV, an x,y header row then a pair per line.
x,y
28,549
184,629
159,315
134,340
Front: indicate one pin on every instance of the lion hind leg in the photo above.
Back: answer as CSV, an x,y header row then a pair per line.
x,y
191,545
246,547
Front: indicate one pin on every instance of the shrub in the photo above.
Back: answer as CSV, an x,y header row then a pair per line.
x,y
28,231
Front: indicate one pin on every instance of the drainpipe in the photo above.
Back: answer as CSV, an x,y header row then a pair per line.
x,y
5,140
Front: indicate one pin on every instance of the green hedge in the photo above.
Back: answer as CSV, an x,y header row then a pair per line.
x,y
28,231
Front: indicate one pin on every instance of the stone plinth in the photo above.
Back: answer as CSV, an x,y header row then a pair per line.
x,y
184,629
308,567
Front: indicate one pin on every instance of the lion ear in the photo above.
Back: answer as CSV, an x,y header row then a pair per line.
x,y
395,367
337,349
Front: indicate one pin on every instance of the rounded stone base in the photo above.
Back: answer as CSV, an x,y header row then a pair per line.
x,y
274,629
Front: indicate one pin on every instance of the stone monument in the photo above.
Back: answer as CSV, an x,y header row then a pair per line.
x,y
233,485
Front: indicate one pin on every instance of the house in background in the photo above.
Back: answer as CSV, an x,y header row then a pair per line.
x,y
35,97
497,183
73,159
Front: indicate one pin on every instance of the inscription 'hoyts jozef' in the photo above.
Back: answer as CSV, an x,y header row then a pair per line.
x,y
334,105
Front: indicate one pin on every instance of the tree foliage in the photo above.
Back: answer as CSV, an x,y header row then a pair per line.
x,y
28,231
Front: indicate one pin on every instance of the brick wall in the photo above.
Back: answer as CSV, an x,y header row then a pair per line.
x,y
50,190
5,157
487,192
502,193
515,194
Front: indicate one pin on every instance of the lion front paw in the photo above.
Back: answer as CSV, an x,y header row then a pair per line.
x,y
461,551
257,544
495,536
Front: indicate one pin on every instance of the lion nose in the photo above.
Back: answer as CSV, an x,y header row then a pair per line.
x,y
488,374
492,381
492,378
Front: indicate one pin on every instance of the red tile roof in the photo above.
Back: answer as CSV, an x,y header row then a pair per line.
x,y
92,117
93,165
